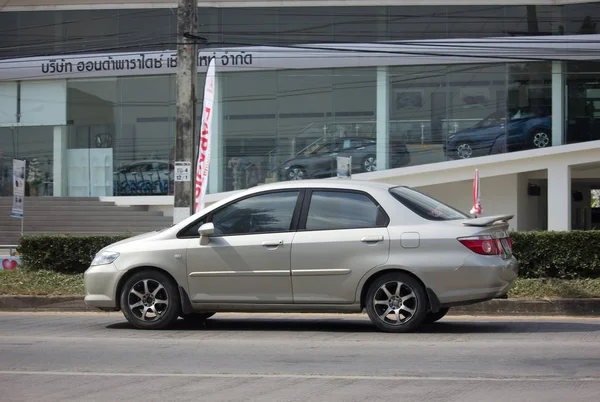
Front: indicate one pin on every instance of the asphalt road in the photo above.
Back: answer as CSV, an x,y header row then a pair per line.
x,y
99,357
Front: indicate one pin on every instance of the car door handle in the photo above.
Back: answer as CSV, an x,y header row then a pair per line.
x,y
371,239
274,243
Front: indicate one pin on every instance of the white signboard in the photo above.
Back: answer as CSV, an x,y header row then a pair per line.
x,y
18,188
344,167
183,171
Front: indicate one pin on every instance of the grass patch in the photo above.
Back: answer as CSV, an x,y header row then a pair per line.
x,y
42,283
552,288
52,283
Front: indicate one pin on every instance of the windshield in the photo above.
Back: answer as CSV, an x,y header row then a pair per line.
x,y
425,206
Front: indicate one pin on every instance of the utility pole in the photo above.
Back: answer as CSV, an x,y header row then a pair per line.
x,y
185,123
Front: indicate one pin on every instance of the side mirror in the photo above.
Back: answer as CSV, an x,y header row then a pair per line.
x,y
205,231
208,229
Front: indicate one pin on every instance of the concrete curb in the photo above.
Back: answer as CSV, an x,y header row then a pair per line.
x,y
500,307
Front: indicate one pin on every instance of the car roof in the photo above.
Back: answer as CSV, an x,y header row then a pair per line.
x,y
350,184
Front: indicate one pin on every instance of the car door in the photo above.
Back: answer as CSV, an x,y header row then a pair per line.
x,y
342,234
247,259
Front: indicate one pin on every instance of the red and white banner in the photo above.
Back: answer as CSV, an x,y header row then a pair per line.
x,y
476,210
204,144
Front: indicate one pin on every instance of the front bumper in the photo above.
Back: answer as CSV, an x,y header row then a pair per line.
x,y
100,283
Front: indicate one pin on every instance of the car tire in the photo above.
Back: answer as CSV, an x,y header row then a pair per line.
x,y
540,138
408,302
433,317
150,300
369,163
197,316
464,150
296,173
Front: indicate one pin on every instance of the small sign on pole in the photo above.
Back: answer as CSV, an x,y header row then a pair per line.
x,y
183,171
18,188
344,167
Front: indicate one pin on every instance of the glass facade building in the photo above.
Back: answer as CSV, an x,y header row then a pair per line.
x,y
89,96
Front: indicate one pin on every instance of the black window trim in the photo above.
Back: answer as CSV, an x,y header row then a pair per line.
x,y
308,199
208,218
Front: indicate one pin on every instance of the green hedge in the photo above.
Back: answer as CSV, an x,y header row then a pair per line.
x,y
565,255
62,253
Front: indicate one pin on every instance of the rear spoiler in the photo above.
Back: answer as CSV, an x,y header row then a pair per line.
x,y
488,220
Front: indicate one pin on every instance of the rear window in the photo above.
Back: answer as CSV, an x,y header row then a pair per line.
x,y
425,206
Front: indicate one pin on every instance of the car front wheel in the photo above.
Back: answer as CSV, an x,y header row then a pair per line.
x,y
150,300
396,302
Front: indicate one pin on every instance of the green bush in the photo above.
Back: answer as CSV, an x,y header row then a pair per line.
x,y
564,255
62,253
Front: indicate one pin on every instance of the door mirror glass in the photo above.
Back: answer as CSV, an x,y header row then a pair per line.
x,y
206,230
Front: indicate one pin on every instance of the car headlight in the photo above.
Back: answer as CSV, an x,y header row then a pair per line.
x,y
104,257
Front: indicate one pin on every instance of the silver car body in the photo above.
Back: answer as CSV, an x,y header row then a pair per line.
x,y
311,270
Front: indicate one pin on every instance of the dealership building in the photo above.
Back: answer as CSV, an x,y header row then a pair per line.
x,y
511,88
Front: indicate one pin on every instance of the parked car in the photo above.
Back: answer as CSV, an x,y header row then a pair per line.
x,y
314,246
524,130
321,162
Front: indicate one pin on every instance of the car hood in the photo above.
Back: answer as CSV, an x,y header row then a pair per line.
x,y
116,245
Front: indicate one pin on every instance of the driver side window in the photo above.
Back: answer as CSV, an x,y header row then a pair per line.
x,y
265,213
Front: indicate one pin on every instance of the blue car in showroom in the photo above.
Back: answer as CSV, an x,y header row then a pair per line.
x,y
524,130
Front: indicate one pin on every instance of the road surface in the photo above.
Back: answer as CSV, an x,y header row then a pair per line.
x,y
233,357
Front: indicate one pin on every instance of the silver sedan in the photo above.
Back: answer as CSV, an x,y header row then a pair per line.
x,y
309,246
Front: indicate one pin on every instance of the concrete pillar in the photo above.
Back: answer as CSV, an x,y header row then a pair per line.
x,y
383,117
559,197
59,162
216,169
558,103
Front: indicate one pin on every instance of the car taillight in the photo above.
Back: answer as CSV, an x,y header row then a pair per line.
x,y
484,245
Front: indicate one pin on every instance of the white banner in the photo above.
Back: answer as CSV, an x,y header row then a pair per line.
x,y
204,143
18,188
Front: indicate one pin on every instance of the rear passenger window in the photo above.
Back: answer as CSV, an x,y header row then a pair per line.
x,y
343,210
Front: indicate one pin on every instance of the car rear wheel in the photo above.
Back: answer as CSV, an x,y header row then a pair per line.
x,y
433,317
464,150
296,173
369,163
150,300
396,302
197,316
540,138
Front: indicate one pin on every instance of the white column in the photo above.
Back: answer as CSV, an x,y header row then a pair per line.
x,y
558,103
383,118
559,197
59,162
215,172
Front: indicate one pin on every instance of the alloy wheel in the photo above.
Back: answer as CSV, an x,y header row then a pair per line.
x,y
541,139
464,151
395,303
148,300
296,173
370,164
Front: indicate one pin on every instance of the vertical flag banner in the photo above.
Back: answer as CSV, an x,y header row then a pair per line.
x,y
204,143
476,210
18,188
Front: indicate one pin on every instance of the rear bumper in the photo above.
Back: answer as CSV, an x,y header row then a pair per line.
x,y
478,279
